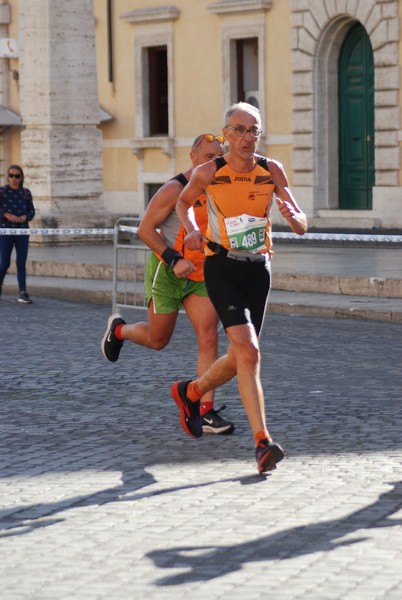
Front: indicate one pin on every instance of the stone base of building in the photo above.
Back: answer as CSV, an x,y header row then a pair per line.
x,y
75,215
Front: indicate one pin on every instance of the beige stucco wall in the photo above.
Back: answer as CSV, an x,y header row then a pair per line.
x,y
198,100
197,71
279,77
295,40
117,98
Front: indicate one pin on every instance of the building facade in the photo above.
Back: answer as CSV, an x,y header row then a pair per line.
x,y
100,100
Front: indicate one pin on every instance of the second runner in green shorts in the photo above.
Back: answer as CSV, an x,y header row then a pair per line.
x,y
166,290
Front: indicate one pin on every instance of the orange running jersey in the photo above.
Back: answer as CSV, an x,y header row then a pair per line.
x,y
231,194
173,233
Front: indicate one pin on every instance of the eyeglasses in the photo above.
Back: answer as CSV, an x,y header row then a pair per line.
x,y
241,131
15,175
209,137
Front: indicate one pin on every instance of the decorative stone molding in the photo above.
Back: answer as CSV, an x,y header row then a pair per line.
x,y
318,30
236,6
151,15
165,144
9,118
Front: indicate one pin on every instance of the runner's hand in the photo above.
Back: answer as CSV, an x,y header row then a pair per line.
x,y
183,268
286,209
193,240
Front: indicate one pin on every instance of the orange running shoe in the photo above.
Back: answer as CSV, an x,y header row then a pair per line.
x,y
190,418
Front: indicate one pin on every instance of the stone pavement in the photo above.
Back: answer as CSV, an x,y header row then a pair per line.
x,y
104,497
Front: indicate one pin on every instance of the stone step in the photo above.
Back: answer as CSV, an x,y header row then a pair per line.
x,y
363,282
100,291
338,284
297,282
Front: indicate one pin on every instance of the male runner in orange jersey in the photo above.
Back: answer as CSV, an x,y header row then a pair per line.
x,y
175,278
239,187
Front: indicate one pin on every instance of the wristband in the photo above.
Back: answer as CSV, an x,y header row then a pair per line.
x,y
171,257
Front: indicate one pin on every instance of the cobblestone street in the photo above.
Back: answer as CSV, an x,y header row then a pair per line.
x,y
104,497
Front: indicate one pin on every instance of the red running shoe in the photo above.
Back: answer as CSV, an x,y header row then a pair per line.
x,y
190,418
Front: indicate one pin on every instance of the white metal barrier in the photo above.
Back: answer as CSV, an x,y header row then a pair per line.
x,y
130,256
333,237
358,238
49,231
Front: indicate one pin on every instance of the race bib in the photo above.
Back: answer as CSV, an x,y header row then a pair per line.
x,y
246,232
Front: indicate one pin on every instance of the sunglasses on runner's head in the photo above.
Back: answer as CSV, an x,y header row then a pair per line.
x,y
16,175
209,137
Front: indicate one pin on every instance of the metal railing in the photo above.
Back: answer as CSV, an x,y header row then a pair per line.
x,y
130,256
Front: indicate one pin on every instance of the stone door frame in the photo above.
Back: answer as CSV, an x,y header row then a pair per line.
x,y
318,31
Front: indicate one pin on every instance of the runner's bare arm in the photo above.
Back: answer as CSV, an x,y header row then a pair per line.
x,y
159,208
285,200
200,178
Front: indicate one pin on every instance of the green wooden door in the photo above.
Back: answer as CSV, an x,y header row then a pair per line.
x,y
356,121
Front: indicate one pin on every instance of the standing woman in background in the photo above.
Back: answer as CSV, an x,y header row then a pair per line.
x,y
16,210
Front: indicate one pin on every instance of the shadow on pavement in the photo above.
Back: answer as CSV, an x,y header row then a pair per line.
x,y
26,519
203,563
333,387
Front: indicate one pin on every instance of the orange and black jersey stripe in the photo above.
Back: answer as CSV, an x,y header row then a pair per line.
x,y
231,194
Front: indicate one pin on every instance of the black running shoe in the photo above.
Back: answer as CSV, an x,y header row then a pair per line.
x,y
24,298
212,422
110,345
267,455
190,418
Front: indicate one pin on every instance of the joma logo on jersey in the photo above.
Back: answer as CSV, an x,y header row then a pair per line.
x,y
242,178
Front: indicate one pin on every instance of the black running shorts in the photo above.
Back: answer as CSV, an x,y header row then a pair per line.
x,y
238,289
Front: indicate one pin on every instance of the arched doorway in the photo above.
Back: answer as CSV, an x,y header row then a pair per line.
x,y
356,121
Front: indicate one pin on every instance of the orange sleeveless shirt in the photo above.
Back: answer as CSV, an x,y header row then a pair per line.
x,y
231,194
173,233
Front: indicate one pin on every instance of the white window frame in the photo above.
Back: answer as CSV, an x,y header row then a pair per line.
x,y
149,33
231,33
144,40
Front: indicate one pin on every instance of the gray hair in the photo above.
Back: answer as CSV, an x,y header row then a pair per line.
x,y
245,107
